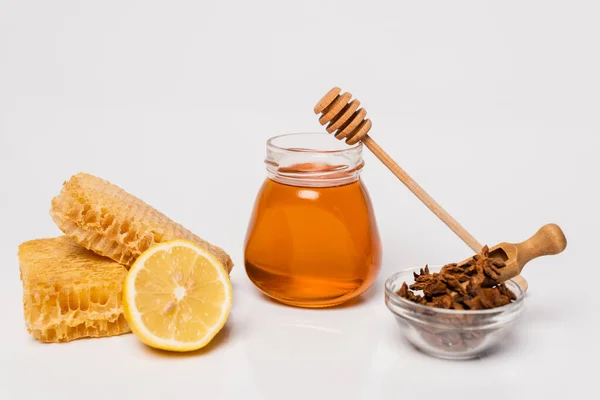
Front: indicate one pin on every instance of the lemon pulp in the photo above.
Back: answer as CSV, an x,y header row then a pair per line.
x,y
177,296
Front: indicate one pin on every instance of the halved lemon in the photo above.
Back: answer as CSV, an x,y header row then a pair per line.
x,y
177,296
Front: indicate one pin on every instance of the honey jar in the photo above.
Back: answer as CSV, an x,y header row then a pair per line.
x,y
312,240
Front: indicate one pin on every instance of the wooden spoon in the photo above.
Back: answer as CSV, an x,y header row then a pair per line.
x,y
346,121
548,240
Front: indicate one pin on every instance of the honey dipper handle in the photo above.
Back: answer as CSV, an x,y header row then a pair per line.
x,y
421,194
548,240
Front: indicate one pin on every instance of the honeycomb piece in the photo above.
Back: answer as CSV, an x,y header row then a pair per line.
x,y
70,292
111,222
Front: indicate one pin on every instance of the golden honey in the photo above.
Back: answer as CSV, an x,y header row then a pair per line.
x,y
312,240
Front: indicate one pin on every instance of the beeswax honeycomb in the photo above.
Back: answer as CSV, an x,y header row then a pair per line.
x,y
69,292
109,221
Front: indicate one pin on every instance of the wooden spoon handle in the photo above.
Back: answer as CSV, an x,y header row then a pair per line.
x,y
548,240
422,194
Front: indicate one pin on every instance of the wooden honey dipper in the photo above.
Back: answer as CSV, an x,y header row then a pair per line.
x,y
347,121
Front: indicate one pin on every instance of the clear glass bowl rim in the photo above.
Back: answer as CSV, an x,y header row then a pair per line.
x,y
402,302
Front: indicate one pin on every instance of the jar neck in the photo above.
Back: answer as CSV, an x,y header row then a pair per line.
x,y
312,160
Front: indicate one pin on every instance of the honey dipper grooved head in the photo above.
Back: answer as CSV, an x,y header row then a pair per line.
x,y
344,117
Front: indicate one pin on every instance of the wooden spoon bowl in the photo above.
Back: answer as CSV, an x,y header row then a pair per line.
x,y
548,240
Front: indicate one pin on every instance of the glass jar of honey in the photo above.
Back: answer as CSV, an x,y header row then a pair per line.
x,y
312,240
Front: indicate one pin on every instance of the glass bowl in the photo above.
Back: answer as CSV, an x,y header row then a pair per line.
x,y
450,334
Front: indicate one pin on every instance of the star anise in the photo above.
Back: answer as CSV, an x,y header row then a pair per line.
x,y
407,294
471,285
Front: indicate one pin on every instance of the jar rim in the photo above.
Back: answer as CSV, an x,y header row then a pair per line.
x,y
344,148
312,159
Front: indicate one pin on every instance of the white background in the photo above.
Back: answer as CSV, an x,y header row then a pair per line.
x,y
493,107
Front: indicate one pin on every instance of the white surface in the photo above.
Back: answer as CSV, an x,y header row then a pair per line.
x,y
491,106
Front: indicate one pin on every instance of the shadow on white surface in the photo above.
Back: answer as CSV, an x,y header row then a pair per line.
x,y
368,296
311,356
218,341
